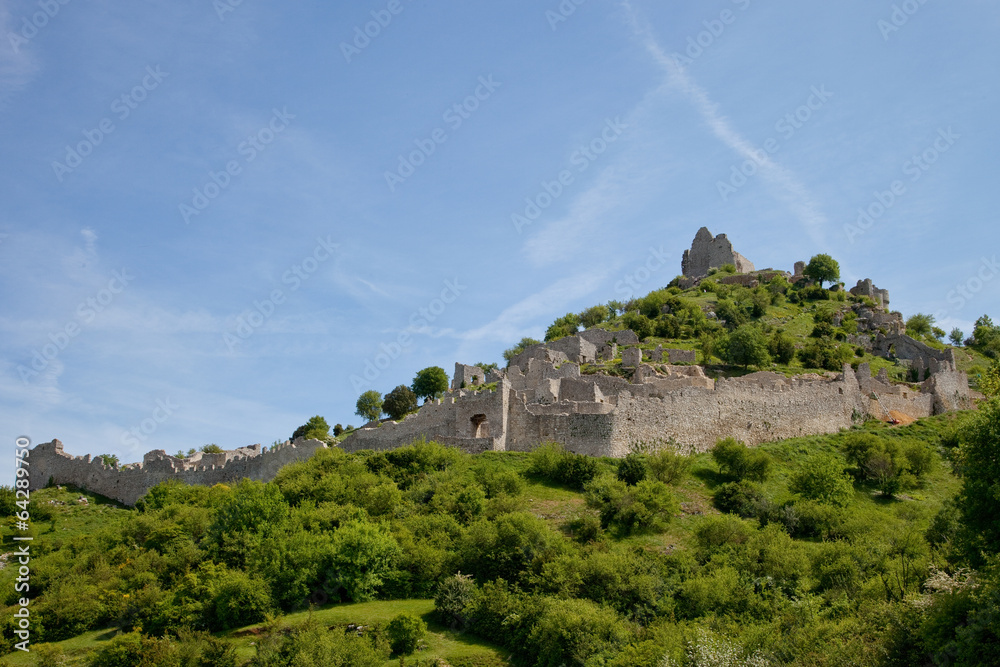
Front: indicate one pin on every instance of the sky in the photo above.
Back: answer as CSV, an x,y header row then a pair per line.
x,y
220,218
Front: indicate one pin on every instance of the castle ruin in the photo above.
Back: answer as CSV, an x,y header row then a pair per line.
x,y
712,252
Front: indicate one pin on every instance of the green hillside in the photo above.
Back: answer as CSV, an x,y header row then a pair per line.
x,y
564,559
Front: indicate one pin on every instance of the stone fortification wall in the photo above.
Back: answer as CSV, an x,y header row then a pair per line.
x,y
130,482
469,419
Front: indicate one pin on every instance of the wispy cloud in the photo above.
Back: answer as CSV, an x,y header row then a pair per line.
x,y
785,186
17,65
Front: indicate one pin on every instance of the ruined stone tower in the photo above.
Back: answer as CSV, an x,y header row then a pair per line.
x,y
711,252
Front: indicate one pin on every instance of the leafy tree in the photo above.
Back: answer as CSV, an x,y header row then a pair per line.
x,y
919,325
337,430
615,308
956,336
822,268
735,314
639,323
369,405
748,347
594,316
782,347
315,428
363,555
739,462
211,449
136,650
519,348
822,478
979,498
649,505
399,402
405,632
111,459
430,382
567,325
248,513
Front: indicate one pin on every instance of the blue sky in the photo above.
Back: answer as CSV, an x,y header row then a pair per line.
x,y
215,216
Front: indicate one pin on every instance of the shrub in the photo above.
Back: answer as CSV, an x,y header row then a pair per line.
x,y
742,498
822,478
363,554
739,462
748,347
782,347
136,650
639,323
632,469
519,348
649,505
237,600
668,466
554,463
452,600
594,316
405,632
573,632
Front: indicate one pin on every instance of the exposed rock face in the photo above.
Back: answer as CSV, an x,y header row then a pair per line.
x,y
711,252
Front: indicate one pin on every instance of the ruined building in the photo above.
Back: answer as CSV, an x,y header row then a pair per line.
x,y
711,252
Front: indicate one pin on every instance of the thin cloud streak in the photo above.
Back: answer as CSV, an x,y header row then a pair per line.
x,y
788,189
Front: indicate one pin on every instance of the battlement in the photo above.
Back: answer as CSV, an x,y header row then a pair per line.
x,y
129,482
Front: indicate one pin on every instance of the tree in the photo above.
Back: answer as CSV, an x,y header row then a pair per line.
x,y
519,348
979,498
567,325
430,382
638,323
363,554
594,316
919,324
822,268
112,459
369,405
782,347
211,449
316,428
399,402
956,336
739,462
748,347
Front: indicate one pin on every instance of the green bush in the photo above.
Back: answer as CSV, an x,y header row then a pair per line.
x,y
363,554
632,469
668,466
405,632
739,462
649,505
136,650
822,478
554,463
575,632
742,498
399,402
316,428
453,599
639,323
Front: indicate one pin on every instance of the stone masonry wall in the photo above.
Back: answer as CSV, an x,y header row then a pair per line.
x,y
128,483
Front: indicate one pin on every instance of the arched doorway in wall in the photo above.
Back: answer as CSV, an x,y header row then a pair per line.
x,y
480,426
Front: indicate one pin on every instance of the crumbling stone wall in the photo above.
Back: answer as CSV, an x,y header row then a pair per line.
x,y
128,483
711,252
466,376
867,288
